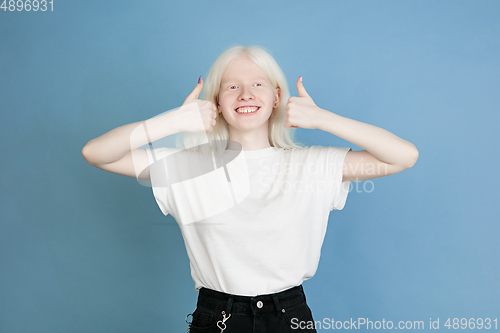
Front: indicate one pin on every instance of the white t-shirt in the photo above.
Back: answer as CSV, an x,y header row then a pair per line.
x,y
256,226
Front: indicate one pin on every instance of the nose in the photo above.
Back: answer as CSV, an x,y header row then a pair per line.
x,y
245,93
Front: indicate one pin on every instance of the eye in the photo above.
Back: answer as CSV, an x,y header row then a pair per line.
x,y
259,83
231,87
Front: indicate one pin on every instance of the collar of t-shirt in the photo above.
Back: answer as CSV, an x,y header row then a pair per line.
x,y
259,152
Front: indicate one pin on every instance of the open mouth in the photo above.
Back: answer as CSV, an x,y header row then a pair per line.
x,y
247,111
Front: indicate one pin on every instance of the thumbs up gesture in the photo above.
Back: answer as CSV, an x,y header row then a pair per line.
x,y
301,111
196,115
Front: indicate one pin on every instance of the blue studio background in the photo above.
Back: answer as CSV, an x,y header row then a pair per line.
x,y
83,250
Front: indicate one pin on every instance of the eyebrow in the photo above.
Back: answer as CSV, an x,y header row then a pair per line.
x,y
255,77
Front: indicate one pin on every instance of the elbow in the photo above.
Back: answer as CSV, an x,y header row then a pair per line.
x,y
86,154
413,159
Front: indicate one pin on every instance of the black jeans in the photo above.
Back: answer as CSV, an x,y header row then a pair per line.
x,y
286,311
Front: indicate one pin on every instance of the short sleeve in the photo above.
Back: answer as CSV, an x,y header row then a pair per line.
x,y
335,168
157,175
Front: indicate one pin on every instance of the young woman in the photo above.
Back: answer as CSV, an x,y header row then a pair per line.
x,y
254,224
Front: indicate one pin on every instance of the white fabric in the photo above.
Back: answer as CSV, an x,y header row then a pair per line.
x,y
261,232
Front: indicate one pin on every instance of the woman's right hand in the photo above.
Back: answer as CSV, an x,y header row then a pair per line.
x,y
196,115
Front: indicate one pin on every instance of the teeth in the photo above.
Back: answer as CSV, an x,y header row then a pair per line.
x,y
246,109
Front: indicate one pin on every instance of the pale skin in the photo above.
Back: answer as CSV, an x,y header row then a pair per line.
x,y
244,83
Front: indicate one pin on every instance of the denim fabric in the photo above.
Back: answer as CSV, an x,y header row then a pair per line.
x,y
286,311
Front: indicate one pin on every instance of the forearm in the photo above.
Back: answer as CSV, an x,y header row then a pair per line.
x,y
379,142
115,144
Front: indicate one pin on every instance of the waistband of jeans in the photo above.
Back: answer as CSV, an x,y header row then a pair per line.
x,y
251,304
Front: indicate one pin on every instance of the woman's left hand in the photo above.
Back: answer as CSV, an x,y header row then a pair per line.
x,y
301,111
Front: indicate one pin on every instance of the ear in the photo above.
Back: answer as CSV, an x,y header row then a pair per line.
x,y
278,95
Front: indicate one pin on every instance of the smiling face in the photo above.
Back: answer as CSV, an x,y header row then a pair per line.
x,y
245,84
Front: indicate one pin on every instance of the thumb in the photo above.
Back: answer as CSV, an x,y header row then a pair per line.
x,y
197,90
300,88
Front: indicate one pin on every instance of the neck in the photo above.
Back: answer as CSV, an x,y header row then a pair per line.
x,y
254,139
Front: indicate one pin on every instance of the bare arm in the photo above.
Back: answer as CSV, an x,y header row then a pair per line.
x,y
117,150
385,153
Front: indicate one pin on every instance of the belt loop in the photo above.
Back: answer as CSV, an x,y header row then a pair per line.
x,y
278,306
229,304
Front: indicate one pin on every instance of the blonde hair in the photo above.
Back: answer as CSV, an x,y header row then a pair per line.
x,y
279,136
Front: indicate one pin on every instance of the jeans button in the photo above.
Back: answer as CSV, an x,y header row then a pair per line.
x,y
260,304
